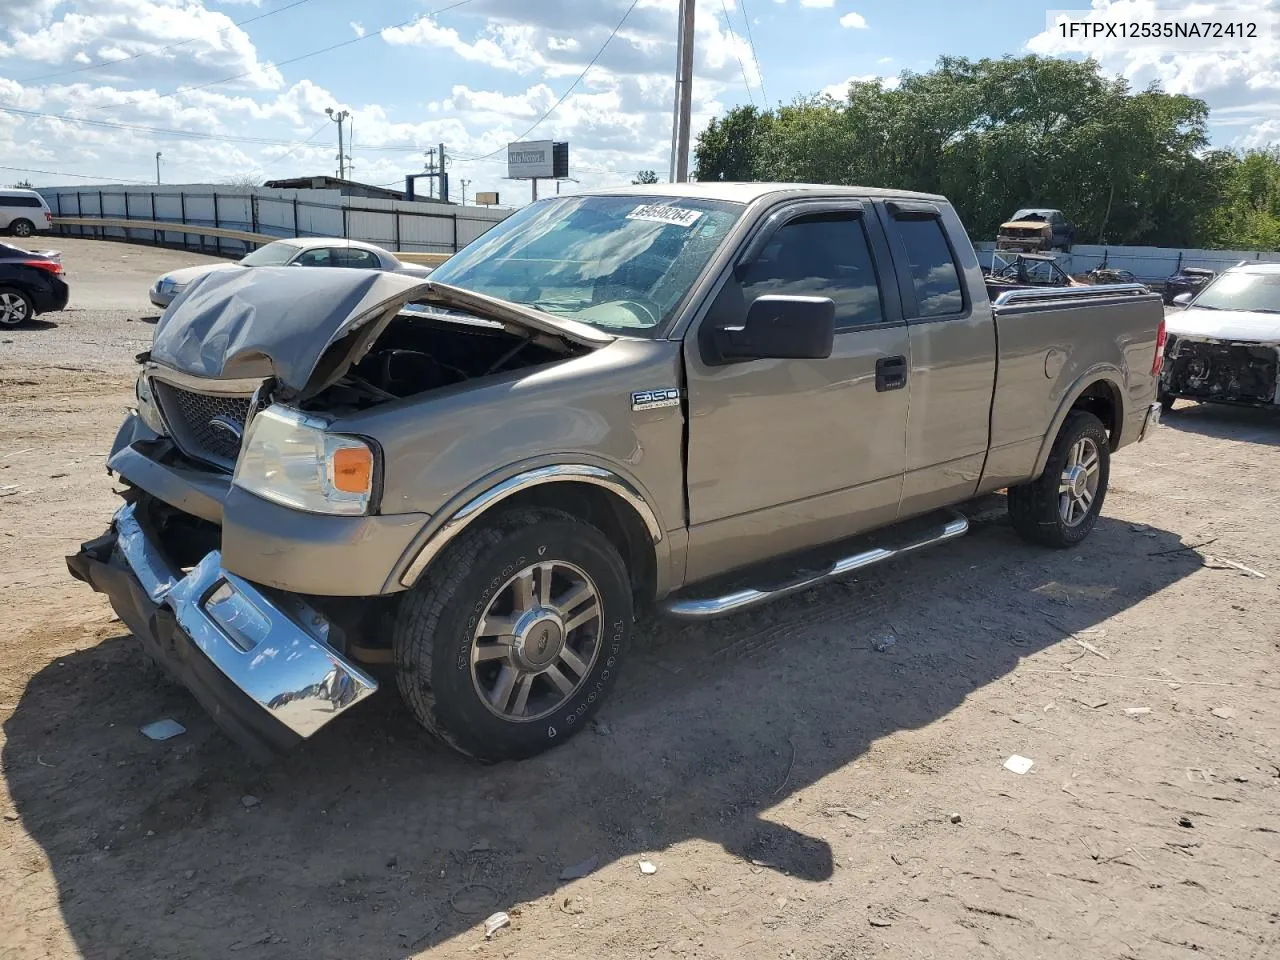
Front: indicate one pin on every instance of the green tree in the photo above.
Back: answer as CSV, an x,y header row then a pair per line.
x,y
645,177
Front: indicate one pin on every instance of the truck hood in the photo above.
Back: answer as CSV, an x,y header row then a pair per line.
x,y
1201,324
1025,224
282,322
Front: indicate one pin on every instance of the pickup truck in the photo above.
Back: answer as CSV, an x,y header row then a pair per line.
x,y
695,396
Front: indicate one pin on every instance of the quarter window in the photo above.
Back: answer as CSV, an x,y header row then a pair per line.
x,y
821,255
933,269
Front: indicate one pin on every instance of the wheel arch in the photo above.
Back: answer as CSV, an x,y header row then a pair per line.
x,y
592,493
1099,392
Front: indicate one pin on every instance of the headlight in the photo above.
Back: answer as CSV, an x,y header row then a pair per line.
x,y
148,411
289,458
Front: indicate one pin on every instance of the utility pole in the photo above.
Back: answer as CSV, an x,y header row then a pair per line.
x,y
430,167
338,116
444,176
465,184
158,155
684,95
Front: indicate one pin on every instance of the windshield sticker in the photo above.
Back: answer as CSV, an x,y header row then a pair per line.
x,y
658,213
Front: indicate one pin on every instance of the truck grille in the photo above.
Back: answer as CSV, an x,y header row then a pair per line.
x,y
205,426
1213,370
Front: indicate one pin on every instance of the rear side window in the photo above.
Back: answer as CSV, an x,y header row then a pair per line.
x,y
933,269
823,255
355,257
20,202
316,257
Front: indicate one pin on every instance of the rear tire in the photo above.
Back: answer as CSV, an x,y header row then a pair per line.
x,y
1166,402
16,307
497,650
1061,507
22,228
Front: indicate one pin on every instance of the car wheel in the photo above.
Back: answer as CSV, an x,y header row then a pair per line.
x,y
15,307
1061,507
1166,402
22,228
510,641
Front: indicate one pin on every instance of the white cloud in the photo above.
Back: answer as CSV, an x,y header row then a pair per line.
x,y
839,91
357,28
817,3
854,21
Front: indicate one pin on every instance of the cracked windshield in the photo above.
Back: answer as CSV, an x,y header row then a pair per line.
x,y
622,264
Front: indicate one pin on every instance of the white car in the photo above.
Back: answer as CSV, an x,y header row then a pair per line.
x,y
300,252
1224,346
24,212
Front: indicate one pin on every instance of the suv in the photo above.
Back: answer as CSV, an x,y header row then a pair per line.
x,y
692,396
1036,229
24,212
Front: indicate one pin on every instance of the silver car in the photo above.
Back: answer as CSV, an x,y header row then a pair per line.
x,y
300,252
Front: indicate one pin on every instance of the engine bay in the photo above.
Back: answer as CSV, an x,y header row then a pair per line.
x,y
1217,370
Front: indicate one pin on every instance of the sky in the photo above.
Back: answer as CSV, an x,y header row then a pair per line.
x,y
230,89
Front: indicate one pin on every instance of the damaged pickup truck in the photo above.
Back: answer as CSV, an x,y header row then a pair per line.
x,y
1224,347
700,396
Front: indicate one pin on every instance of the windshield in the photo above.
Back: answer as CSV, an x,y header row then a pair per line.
x,y
272,255
1257,292
1030,215
623,264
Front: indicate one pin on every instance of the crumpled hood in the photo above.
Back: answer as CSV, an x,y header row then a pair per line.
x,y
1224,325
1027,224
279,321
186,274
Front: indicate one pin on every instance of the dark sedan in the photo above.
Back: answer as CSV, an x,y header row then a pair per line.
x,y
30,283
1187,280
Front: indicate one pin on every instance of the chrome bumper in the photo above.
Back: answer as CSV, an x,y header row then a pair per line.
x,y
274,650
1151,422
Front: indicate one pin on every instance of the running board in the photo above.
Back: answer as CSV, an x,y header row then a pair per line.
x,y
688,608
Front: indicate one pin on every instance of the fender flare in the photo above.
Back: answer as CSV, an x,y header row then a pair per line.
x,y
1104,372
461,512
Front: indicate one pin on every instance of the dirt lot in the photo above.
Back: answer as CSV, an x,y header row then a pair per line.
x,y
801,794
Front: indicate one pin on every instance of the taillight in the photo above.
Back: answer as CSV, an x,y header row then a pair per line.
x,y
50,266
1157,362
48,217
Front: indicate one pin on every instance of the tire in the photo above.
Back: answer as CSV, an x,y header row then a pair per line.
x,y
16,307
1166,402
477,580
22,228
1037,509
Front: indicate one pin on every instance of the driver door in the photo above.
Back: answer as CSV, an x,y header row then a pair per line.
x,y
787,454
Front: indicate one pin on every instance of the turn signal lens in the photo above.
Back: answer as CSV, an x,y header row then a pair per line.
x,y
351,469
1157,362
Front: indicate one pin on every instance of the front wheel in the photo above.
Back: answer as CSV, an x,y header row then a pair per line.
x,y
15,307
22,228
510,641
1061,507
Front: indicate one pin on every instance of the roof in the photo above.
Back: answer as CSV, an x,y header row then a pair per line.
x,y
750,192
352,187
310,243
1258,266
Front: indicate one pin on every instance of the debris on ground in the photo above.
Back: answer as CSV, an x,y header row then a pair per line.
x,y
1019,765
249,801
1223,713
163,729
955,818
580,870
1185,822
572,906
601,728
1199,775
647,868
1136,711
1024,718
1091,648
882,644
495,923
1219,563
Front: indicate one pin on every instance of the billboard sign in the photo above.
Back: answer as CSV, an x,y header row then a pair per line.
x,y
537,159
487,199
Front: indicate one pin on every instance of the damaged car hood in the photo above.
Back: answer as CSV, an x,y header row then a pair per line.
x,y
281,321
1233,325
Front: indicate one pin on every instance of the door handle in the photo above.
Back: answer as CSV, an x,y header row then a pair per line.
x,y
891,373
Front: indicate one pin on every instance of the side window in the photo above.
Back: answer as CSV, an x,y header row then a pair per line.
x,y
822,255
933,269
315,257
355,257
19,202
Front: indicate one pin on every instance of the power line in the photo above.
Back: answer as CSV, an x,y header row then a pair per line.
x,y
750,42
285,156
572,86
75,176
741,66
168,46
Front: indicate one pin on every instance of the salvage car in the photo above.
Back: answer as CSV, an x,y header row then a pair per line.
x,y
643,397
31,283
1224,347
1035,229
300,252
1187,280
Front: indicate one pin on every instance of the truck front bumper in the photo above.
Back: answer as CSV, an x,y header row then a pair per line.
x,y
259,662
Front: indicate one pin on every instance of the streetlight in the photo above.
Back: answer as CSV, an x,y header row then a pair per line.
x,y
338,117
158,155
570,179
465,184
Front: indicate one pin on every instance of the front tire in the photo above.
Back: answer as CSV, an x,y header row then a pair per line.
x,y
22,228
1061,507
512,638
16,307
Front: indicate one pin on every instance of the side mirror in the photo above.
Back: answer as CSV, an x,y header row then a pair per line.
x,y
781,328
1183,299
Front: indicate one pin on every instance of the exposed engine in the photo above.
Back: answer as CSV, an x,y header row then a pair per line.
x,y
1217,370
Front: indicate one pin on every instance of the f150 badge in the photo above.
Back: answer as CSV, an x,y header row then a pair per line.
x,y
653,399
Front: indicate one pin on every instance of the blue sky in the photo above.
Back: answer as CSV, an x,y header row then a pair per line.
x,y
222,100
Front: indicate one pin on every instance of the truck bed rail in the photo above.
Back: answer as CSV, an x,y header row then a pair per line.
x,y
1101,291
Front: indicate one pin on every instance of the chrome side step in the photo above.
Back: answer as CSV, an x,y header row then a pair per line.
x,y
687,608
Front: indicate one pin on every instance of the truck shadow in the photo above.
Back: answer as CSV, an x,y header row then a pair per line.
x,y
1248,424
371,842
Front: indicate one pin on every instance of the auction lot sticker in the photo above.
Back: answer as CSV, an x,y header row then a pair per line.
x,y
659,213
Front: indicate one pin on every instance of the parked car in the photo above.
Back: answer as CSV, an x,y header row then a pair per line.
x,y
30,283
609,400
1035,229
24,212
301,252
1187,280
1225,346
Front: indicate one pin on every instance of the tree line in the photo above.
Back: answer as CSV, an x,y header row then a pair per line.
x,y
995,135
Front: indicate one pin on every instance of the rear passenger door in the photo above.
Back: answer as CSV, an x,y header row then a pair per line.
x,y
785,454
952,350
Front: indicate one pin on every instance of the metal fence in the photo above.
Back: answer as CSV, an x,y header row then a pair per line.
x,y
1150,264
398,225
